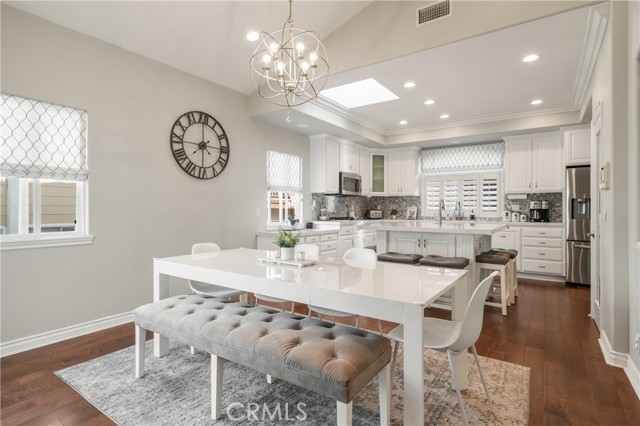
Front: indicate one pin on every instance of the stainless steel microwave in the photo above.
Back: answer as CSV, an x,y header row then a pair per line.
x,y
350,184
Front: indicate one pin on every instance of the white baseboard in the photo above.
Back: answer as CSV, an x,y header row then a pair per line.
x,y
539,277
55,336
634,376
611,357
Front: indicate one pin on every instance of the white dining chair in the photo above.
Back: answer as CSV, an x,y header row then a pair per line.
x,y
206,288
355,257
454,337
311,252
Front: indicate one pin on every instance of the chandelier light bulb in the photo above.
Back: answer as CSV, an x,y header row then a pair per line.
x,y
289,66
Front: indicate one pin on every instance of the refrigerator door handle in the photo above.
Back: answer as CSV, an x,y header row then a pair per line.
x,y
582,246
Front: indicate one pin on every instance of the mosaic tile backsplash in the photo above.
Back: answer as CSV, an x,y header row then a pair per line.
x,y
340,206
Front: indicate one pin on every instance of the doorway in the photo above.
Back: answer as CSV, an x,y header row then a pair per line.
x,y
597,213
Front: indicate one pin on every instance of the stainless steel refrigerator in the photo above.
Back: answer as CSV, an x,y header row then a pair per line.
x,y
578,225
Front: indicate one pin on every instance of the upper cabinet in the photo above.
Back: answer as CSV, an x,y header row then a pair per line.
x,y
325,164
403,172
349,159
533,163
378,174
577,145
365,171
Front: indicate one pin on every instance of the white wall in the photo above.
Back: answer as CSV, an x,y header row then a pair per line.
x,y
142,205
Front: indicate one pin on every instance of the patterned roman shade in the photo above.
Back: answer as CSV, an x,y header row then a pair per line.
x,y
284,172
42,140
489,156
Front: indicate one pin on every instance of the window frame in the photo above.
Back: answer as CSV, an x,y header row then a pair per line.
x,y
37,239
282,209
429,180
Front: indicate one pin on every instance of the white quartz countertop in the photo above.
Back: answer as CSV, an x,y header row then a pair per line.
x,y
451,227
303,232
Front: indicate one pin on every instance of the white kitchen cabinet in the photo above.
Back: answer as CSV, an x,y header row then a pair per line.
x,y
378,174
533,163
365,171
325,164
423,244
349,158
577,145
403,172
327,243
542,250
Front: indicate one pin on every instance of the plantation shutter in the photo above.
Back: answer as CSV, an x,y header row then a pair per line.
x,y
432,194
489,194
470,193
450,194
42,140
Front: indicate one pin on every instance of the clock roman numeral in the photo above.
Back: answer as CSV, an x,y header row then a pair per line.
x,y
190,168
222,161
202,172
180,155
224,149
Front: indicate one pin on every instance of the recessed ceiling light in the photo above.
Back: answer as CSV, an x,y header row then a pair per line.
x,y
429,102
444,116
252,36
302,125
360,93
409,84
402,122
536,102
531,58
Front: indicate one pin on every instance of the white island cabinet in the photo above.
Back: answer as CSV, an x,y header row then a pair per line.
x,y
450,239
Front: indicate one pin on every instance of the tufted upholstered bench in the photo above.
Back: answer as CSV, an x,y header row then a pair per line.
x,y
332,360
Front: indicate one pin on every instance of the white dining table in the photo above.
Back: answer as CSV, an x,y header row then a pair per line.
x,y
387,291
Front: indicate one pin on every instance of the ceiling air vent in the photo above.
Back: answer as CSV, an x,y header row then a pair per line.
x,y
433,12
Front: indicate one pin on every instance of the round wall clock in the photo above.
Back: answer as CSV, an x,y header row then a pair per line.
x,y
199,145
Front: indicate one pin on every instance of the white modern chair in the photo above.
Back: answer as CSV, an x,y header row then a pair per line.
x,y
355,257
454,337
210,289
311,252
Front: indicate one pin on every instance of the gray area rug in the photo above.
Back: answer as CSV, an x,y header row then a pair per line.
x,y
175,390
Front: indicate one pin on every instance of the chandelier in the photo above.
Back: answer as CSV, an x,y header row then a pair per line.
x,y
289,66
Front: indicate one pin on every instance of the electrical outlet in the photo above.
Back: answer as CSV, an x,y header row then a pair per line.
x,y
515,208
637,344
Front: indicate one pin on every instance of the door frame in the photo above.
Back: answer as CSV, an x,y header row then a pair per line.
x,y
596,206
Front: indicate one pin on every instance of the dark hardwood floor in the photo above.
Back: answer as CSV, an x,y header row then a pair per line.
x,y
548,330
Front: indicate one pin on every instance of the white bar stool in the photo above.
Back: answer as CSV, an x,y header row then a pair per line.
x,y
496,261
513,272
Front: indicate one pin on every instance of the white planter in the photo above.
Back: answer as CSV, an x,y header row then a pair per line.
x,y
287,253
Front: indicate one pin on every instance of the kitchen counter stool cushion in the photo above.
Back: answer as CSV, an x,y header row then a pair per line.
x,y
394,257
513,253
444,262
495,258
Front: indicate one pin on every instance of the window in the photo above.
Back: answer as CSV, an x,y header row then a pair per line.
x,y
284,188
43,164
464,193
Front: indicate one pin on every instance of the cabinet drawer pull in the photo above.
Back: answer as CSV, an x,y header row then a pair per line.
x,y
542,267
542,233
502,236
541,242
542,254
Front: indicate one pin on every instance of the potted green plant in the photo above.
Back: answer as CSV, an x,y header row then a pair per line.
x,y
287,241
394,213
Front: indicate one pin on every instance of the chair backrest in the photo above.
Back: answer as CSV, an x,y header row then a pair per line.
x,y
311,251
204,248
361,254
473,317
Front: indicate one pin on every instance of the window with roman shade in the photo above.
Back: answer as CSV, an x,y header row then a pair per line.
x,y
43,169
284,187
466,178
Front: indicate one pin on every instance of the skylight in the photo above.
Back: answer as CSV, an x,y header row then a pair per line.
x,y
360,93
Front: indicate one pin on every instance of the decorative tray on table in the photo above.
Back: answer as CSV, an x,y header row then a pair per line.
x,y
292,262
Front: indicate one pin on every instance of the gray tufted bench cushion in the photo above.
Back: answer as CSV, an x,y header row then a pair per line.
x,y
394,257
513,253
444,262
493,257
333,360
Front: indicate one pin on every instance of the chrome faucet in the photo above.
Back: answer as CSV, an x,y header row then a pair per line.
x,y
440,211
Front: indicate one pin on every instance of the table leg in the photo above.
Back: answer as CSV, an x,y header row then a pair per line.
x,y
460,302
413,365
160,291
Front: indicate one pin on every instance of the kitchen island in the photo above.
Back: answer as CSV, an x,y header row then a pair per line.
x,y
451,239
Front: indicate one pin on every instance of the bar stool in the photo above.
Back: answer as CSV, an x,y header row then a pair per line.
x,y
513,273
393,257
435,261
496,261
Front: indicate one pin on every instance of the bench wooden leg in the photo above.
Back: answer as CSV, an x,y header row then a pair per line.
x,y
344,413
192,349
504,293
141,339
384,391
216,386
270,379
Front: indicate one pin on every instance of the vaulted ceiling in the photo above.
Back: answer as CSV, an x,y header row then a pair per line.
x,y
476,80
